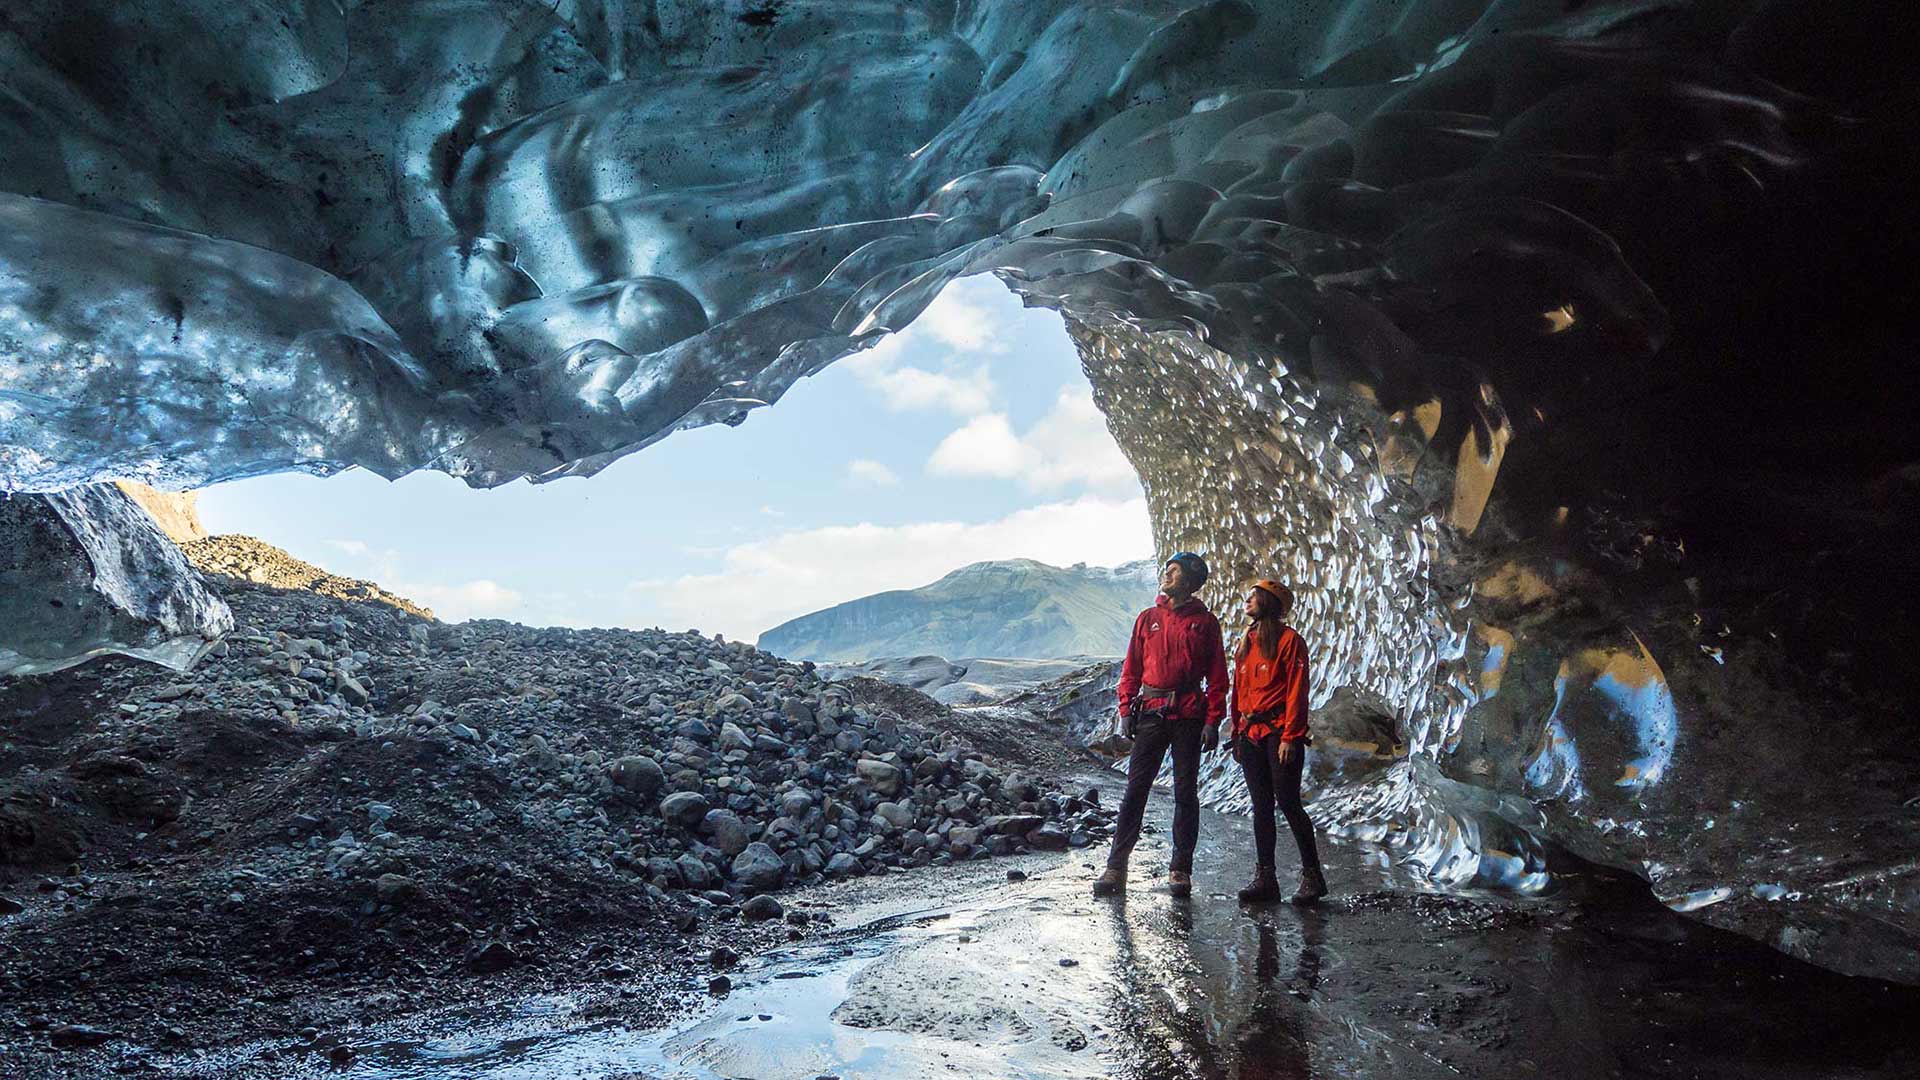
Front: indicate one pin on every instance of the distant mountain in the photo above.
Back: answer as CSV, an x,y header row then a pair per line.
x,y
1013,608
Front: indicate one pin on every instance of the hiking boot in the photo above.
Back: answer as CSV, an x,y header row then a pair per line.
x,y
1111,882
1263,889
1179,883
1313,886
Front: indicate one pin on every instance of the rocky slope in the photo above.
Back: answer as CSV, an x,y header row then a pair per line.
x,y
349,811
1011,608
262,563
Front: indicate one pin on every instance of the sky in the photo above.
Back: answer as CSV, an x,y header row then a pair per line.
x,y
971,435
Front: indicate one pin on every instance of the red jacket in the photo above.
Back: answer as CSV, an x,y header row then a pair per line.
x,y
1277,684
1175,648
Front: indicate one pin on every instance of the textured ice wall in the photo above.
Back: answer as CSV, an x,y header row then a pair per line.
x,y
87,572
1536,340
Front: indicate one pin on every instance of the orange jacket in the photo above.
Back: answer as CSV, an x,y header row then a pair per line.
x,y
1175,648
1261,684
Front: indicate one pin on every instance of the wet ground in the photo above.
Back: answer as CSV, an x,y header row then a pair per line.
x,y
964,973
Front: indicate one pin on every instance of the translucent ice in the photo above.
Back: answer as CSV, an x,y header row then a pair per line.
x,y
87,572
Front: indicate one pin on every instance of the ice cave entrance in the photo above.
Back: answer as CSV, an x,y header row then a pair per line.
x,y
969,436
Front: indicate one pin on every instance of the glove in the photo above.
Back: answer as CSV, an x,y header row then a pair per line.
x,y
1210,739
1127,721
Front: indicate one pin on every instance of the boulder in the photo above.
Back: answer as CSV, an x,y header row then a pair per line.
x,y
639,774
391,887
697,874
1047,838
758,867
726,831
1012,824
878,775
491,957
684,808
761,909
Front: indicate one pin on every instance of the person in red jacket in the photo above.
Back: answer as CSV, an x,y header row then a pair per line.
x,y
1269,725
1176,646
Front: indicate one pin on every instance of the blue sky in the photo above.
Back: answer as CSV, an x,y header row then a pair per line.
x,y
971,435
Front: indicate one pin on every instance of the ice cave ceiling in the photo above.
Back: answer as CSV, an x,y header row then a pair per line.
x,y
1548,346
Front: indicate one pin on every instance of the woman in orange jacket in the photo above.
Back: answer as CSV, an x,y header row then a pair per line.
x,y
1268,713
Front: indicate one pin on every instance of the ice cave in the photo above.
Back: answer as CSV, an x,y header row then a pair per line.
x,y
1552,347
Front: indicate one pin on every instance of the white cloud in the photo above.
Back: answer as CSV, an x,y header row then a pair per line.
x,y
984,446
961,318
1072,444
957,325
907,388
1069,445
481,599
766,582
883,355
868,471
352,547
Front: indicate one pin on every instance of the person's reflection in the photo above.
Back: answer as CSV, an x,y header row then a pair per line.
x,y
1159,1008
1267,1041
1215,996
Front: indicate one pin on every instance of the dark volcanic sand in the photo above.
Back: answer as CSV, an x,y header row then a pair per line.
x,y
963,973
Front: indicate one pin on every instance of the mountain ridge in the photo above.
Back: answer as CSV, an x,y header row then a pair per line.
x,y
1000,608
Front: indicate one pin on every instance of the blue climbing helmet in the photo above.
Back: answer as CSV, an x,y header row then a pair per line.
x,y
1194,565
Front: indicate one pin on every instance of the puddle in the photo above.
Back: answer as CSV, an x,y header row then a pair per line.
x,y
1037,980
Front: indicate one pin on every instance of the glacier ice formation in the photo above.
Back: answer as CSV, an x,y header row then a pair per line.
x,y
1543,343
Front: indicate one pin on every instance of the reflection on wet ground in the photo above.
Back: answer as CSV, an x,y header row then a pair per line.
x,y
1038,979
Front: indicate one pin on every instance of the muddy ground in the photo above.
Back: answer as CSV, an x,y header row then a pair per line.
x,y
968,973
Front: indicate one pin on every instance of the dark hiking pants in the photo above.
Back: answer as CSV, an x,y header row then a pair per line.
x,y
1153,736
1271,783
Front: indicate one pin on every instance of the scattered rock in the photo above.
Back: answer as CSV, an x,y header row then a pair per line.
x,y
391,887
75,1036
1047,838
726,831
758,867
506,797
684,808
762,908
1012,824
878,775
494,956
639,774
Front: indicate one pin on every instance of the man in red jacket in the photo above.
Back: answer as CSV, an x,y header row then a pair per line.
x,y
1176,646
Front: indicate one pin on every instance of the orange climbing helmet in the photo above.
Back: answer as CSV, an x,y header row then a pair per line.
x,y
1278,592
